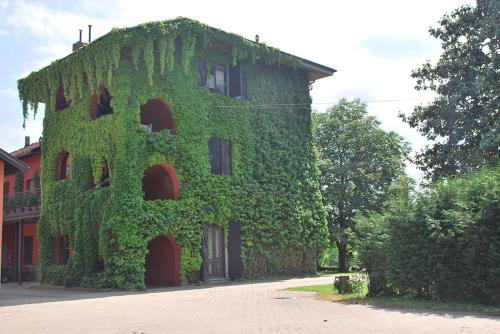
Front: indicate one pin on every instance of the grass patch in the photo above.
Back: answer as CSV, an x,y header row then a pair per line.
x,y
328,292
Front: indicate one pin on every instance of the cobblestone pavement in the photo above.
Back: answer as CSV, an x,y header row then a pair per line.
x,y
236,308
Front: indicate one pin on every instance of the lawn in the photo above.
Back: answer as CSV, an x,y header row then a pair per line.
x,y
328,292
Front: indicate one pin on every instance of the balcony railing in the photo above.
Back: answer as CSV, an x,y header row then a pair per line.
x,y
21,205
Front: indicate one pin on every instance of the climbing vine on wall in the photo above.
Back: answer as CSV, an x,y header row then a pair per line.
x,y
273,191
87,66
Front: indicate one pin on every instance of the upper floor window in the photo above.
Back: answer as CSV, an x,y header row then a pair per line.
x,y
157,114
61,101
63,166
5,188
217,79
223,79
220,156
100,105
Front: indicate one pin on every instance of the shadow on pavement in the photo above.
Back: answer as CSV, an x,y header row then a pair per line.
x,y
13,294
426,312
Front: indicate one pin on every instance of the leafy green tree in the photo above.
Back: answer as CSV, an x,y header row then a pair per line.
x,y
358,162
463,120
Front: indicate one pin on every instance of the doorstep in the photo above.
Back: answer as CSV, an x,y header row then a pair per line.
x,y
217,281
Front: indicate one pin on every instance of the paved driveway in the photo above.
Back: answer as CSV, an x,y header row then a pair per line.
x,y
235,308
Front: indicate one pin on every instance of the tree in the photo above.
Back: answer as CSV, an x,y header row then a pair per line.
x,y
358,162
463,120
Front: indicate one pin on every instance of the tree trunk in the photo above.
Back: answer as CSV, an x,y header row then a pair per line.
x,y
342,248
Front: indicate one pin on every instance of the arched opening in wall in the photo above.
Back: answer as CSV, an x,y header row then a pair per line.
x,y
61,101
157,114
160,182
162,262
63,166
100,105
105,175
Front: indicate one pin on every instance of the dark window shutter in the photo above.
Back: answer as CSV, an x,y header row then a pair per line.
x,y
202,73
204,253
234,251
234,81
215,155
28,250
243,80
226,157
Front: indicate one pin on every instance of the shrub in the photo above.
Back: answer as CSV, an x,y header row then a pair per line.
x,y
444,244
54,275
358,284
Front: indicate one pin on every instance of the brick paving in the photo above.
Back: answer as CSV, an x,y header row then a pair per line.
x,y
236,308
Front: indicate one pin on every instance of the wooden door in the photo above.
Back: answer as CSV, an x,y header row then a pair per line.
x,y
234,250
215,252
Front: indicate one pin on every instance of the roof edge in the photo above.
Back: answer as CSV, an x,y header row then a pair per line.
x,y
13,164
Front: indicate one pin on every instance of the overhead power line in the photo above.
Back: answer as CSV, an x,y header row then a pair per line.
x,y
281,105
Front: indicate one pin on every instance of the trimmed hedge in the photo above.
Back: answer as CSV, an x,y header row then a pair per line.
x,y
442,244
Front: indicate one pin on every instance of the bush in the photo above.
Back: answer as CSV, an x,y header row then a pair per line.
x,y
329,258
358,284
53,275
442,244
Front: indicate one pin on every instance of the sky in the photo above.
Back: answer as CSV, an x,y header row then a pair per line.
x,y
373,45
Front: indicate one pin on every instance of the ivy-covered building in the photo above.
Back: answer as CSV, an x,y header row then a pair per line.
x,y
175,151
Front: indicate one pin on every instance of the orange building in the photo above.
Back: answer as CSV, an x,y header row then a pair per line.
x,y
21,210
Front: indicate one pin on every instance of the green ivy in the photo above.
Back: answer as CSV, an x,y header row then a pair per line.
x,y
273,192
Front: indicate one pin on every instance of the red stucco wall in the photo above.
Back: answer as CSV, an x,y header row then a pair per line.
x,y
34,162
9,231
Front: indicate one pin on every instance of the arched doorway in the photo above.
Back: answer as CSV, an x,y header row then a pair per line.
x,y
160,182
162,262
157,113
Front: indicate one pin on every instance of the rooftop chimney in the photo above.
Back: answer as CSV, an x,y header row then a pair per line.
x,y
257,38
26,141
90,33
78,45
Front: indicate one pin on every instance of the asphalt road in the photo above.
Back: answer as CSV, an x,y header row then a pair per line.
x,y
250,307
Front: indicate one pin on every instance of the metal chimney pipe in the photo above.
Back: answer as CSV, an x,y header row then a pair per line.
x,y
90,33
26,141
80,34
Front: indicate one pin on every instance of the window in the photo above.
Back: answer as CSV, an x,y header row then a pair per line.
x,y
217,80
63,166
220,156
6,188
101,105
223,79
61,101
156,113
28,250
